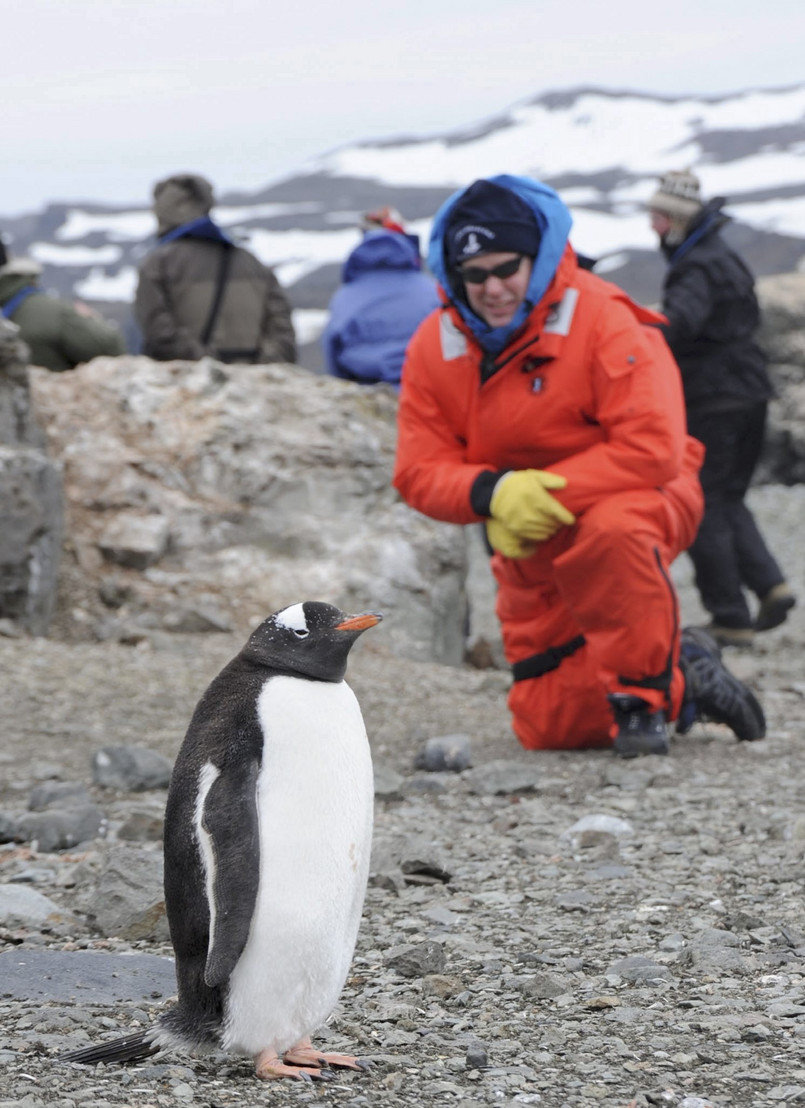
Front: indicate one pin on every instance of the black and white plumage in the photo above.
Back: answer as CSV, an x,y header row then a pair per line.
x,y
267,841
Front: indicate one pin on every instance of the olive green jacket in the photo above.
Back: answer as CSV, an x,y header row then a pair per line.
x,y
175,293
58,336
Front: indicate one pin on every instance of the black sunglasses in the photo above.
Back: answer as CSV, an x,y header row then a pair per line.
x,y
475,275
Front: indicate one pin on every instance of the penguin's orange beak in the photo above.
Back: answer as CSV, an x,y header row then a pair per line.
x,y
360,622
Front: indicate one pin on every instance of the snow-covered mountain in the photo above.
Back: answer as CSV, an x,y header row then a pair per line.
x,y
601,149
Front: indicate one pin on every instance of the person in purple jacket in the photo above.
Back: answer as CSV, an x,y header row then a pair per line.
x,y
383,299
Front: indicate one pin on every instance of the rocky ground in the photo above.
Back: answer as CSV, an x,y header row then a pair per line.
x,y
549,929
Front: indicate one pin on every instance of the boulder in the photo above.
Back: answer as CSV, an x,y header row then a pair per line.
x,y
128,899
60,828
21,907
30,538
56,794
30,499
131,768
782,337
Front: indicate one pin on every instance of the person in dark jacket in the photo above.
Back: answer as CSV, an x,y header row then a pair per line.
x,y
199,293
59,335
712,311
383,299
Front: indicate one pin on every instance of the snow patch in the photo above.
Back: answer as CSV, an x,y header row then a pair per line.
x,y
308,323
50,253
99,285
118,226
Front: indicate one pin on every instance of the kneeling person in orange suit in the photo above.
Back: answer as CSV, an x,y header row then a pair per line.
x,y
543,401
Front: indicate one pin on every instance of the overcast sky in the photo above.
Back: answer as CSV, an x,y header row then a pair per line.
x,y
103,97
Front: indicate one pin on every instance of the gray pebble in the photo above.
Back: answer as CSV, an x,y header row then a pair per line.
x,y
58,794
450,753
416,959
131,768
477,1056
61,828
638,970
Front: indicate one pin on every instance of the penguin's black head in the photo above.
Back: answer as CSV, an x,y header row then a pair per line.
x,y
311,639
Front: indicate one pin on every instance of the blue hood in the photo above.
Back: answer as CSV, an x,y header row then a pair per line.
x,y
554,221
201,228
382,250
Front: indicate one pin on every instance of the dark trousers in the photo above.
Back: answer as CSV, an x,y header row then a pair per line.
x,y
728,552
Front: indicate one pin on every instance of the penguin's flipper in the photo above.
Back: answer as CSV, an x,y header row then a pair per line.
x,y
230,820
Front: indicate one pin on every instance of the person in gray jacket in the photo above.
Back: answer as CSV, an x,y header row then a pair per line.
x,y
199,293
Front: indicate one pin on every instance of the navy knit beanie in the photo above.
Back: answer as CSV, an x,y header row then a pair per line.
x,y
489,219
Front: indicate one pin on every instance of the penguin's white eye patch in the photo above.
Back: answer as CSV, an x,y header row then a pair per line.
x,y
300,634
293,618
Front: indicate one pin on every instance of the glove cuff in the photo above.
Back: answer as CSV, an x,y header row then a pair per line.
x,y
482,489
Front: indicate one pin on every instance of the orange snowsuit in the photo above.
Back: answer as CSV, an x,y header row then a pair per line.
x,y
589,392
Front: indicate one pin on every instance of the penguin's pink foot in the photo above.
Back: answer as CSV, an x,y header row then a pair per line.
x,y
269,1066
305,1054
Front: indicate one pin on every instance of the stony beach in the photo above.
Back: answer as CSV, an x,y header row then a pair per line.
x,y
561,930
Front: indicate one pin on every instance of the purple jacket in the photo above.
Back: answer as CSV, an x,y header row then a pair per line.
x,y
383,299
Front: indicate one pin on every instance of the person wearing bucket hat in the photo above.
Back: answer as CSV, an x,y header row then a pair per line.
x,y
712,315
199,293
541,401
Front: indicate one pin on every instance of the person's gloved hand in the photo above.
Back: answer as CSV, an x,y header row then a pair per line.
x,y
506,542
521,501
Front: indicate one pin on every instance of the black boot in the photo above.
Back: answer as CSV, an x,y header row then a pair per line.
x,y
640,731
712,692
774,607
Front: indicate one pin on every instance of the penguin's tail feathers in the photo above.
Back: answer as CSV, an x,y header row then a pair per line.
x,y
128,1048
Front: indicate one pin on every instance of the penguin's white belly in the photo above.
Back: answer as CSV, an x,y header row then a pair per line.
x,y
315,801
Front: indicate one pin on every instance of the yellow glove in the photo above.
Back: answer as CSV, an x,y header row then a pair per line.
x,y
506,542
522,503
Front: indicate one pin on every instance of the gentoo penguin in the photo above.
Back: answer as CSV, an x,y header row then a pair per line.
x,y
268,832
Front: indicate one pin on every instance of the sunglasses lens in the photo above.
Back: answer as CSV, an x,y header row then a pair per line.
x,y
474,275
507,269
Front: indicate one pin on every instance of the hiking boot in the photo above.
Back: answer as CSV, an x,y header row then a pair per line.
x,y
640,731
702,639
774,607
712,692
731,636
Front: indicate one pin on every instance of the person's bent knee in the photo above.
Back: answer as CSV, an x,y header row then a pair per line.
x,y
556,712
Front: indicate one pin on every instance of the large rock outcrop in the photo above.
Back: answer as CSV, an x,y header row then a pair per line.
x,y
30,500
201,497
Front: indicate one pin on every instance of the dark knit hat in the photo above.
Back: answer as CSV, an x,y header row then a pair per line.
x,y
678,195
489,219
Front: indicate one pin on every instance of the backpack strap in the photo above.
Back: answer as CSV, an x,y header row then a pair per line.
x,y
220,287
10,306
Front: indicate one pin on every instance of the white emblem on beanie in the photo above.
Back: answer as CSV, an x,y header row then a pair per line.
x,y
471,246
